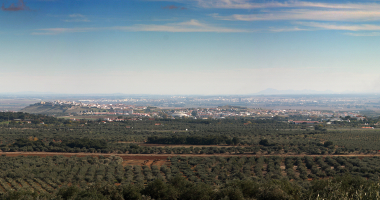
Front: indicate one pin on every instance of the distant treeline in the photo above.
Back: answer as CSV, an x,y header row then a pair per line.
x,y
193,140
33,118
38,145
82,143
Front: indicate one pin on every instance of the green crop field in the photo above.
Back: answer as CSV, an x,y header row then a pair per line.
x,y
215,158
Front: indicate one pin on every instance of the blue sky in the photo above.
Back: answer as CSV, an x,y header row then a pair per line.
x,y
188,46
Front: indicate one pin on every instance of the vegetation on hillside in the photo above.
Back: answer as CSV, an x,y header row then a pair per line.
x,y
189,178
240,173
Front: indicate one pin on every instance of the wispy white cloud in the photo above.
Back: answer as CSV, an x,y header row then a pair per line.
x,y
188,26
15,7
56,31
329,26
249,4
311,12
174,7
76,18
305,14
287,29
296,11
372,34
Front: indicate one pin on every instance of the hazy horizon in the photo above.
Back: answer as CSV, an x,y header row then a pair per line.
x,y
265,92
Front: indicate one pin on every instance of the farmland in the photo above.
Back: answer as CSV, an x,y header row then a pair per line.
x,y
51,174
229,136
50,155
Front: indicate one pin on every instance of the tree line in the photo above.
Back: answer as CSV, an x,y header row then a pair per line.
x,y
193,140
346,187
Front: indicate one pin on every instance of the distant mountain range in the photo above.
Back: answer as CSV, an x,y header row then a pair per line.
x,y
271,91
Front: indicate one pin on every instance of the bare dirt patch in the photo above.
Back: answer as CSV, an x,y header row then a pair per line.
x,y
11,186
131,162
149,163
2,189
160,162
160,159
180,145
283,172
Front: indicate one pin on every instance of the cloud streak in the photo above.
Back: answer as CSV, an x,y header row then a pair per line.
x,y
76,18
287,29
245,4
308,14
304,14
187,26
173,7
372,34
15,7
329,26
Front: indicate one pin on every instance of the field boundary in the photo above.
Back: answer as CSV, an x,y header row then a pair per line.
x,y
165,156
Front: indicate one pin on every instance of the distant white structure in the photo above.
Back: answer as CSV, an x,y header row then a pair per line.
x,y
179,114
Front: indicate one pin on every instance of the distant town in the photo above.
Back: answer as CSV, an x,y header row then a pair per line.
x,y
290,108
117,109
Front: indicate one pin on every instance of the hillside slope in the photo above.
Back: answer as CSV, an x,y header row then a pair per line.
x,y
39,108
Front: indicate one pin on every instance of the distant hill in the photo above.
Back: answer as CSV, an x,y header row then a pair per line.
x,y
271,91
47,108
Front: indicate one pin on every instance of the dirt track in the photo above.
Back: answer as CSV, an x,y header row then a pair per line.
x,y
161,156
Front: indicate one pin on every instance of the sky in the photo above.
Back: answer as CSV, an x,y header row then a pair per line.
x,y
200,47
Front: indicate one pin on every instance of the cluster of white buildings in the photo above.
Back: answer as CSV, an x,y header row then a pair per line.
x,y
202,113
